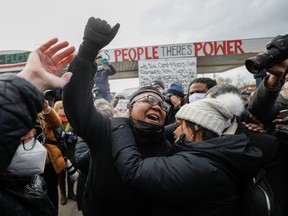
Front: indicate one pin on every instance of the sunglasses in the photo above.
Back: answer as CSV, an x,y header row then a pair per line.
x,y
154,101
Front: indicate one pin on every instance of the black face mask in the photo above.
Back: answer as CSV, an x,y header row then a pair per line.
x,y
145,128
150,139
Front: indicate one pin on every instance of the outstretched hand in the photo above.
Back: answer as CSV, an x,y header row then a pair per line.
x,y
46,62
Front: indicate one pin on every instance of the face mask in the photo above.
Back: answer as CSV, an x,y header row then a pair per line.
x,y
143,127
196,96
100,67
28,162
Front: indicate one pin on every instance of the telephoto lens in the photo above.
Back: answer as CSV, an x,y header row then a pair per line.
x,y
263,61
277,51
72,172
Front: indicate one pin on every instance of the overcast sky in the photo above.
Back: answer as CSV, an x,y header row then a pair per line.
x,y
26,24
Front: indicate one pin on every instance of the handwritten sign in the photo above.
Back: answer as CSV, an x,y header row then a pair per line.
x,y
183,70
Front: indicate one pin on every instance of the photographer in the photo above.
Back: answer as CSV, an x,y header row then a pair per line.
x,y
101,87
266,106
68,142
175,98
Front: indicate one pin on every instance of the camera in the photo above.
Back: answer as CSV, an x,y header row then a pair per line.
x,y
123,105
277,51
53,95
49,95
72,172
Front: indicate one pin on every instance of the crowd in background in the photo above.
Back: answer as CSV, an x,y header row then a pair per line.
x,y
147,153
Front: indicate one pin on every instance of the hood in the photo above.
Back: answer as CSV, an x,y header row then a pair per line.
x,y
232,150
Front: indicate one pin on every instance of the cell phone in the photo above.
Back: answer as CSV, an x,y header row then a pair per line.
x,y
103,60
123,105
284,113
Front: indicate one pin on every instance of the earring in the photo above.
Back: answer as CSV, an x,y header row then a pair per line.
x,y
191,137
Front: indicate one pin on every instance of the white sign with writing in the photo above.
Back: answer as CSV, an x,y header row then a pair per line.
x,y
183,70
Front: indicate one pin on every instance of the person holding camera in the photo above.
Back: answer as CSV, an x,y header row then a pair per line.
x,y
266,104
68,141
101,87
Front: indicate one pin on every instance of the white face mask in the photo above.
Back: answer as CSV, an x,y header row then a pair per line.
x,y
196,96
100,67
28,162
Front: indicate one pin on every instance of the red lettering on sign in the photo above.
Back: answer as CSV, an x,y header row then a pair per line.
x,y
140,51
147,56
238,49
220,46
230,47
117,53
132,54
208,48
124,55
198,47
155,52
215,48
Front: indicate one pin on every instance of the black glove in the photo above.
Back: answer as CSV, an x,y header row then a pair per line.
x,y
98,33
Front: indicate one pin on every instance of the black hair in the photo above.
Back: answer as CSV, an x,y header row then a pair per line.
x,y
205,80
206,134
222,89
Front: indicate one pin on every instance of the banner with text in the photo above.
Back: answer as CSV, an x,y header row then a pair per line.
x,y
183,70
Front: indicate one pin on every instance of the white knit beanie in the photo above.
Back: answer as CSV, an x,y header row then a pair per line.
x,y
212,113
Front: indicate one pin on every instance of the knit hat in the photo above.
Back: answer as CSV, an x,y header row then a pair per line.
x,y
158,82
176,88
146,89
121,94
212,113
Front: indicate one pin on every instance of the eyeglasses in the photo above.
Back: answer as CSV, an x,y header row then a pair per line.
x,y
154,101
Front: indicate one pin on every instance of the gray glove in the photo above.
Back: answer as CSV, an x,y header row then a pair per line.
x,y
98,33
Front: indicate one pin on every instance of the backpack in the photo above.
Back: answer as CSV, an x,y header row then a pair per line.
x,y
256,195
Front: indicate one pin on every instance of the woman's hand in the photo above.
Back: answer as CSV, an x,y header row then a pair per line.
x,y
46,62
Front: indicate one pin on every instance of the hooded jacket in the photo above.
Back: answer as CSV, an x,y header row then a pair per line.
x,y
185,183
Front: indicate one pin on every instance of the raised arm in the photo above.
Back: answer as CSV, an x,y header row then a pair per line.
x,y
77,95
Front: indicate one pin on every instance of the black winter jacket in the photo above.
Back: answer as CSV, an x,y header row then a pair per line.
x,y
263,104
81,162
105,193
185,183
19,104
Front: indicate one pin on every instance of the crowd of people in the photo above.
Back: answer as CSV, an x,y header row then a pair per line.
x,y
154,158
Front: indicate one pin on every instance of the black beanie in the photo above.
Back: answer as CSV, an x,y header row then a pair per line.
x,y
146,89
158,82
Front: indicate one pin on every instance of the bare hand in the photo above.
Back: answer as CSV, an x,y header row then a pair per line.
x,y
254,127
279,69
46,62
175,101
118,113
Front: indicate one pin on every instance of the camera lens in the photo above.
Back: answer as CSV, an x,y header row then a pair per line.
x,y
253,65
72,172
49,95
263,61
